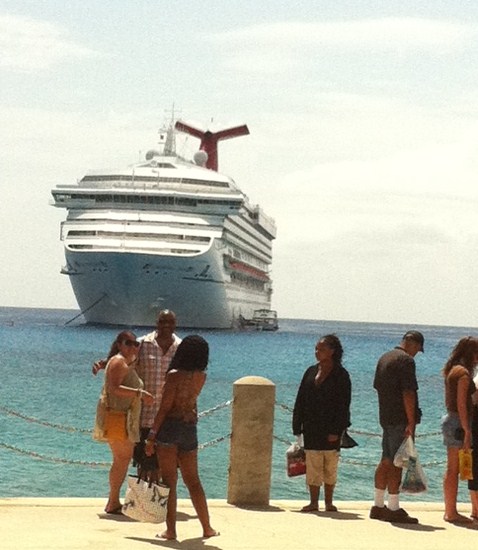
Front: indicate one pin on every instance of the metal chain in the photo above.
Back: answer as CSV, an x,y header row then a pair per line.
x,y
214,409
53,459
57,460
361,432
282,440
72,429
202,446
44,422
284,407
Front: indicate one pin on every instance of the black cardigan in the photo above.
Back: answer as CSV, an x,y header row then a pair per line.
x,y
322,410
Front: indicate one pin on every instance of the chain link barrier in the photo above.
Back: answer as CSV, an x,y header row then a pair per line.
x,y
83,431
213,442
61,427
364,433
55,460
214,409
201,446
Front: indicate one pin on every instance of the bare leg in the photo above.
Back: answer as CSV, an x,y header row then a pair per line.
x,y
388,477
168,458
313,506
188,463
122,452
329,496
450,486
474,504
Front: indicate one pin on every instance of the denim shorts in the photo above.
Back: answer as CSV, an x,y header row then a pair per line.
x,y
175,431
392,438
450,423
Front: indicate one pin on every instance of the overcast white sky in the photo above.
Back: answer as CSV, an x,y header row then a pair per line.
x,y
364,147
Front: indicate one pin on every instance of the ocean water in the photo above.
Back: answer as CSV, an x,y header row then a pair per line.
x,y
48,397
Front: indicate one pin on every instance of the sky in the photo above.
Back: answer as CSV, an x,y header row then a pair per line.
x,y
363,145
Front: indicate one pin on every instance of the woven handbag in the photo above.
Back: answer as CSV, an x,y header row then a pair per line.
x,y
145,501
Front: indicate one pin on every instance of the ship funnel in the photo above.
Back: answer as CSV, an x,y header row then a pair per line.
x,y
210,139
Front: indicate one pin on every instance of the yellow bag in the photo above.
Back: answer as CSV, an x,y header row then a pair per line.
x,y
465,459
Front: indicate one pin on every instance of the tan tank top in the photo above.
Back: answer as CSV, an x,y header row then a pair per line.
x,y
451,388
132,380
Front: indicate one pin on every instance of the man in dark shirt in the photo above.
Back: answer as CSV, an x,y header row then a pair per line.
x,y
396,385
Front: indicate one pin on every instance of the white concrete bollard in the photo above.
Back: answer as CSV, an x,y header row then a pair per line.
x,y
250,457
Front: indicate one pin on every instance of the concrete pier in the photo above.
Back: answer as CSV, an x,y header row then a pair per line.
x,y
81,524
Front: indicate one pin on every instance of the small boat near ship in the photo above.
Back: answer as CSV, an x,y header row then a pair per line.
x,y
167,233
262,319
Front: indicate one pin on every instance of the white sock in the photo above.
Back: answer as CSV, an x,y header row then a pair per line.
x,y
393,502
379,498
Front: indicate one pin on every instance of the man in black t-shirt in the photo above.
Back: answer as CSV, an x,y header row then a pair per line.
x,y
396,384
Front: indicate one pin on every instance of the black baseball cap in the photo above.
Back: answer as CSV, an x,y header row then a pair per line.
x,y
416,337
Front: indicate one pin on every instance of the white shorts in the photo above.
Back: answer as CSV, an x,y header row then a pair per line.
x,y
321,467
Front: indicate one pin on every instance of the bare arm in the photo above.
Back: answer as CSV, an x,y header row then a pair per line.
x,y
167,401
409,403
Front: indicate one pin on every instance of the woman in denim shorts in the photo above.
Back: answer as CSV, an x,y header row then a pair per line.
x,y
174,431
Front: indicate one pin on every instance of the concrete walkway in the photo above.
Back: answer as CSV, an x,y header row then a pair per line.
x,y
80,524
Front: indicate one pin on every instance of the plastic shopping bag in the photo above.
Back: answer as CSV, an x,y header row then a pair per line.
x,y
295,459
414,480
405,451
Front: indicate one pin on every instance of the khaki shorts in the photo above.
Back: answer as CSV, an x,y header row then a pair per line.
x,y
321,467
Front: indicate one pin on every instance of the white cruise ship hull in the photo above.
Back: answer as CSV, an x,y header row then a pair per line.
x,y
130,289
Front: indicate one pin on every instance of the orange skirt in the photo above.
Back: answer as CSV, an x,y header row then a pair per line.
x,y
115,425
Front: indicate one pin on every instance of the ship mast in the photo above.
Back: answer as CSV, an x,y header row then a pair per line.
x,y
169,148
209,140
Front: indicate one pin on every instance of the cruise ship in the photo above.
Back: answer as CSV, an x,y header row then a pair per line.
x,y
167,232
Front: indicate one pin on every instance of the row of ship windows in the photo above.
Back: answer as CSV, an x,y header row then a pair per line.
x,y
249,258
257,227
236,239
175,251
145,199
247,282
154,179
252,234
148,236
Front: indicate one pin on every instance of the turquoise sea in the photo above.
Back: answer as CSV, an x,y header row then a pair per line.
x,y
48,397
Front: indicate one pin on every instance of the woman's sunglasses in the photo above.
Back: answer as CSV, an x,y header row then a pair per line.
x,y
130,343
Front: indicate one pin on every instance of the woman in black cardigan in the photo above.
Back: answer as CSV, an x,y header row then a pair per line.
x,y
322,414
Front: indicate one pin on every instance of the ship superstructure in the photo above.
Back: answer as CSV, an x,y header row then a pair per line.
x,y
167,233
